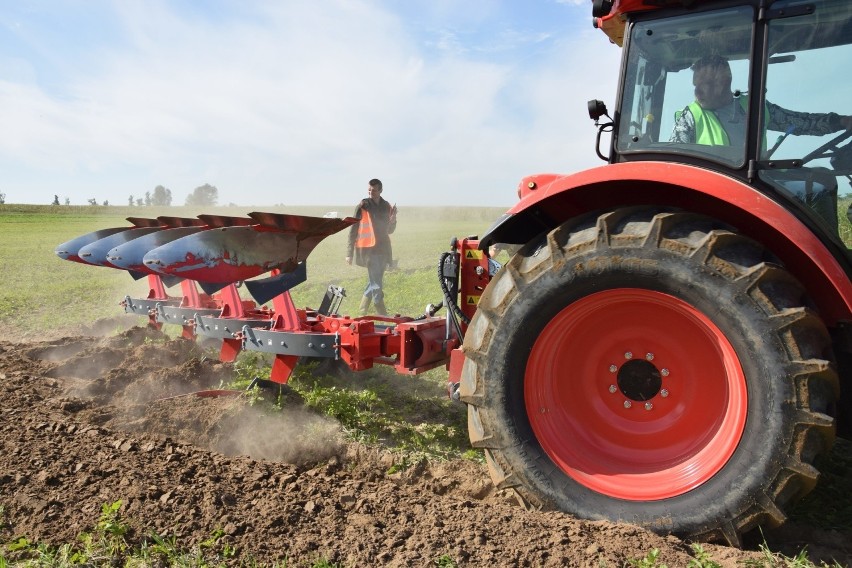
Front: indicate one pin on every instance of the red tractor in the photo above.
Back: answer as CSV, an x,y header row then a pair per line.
x,y
670,347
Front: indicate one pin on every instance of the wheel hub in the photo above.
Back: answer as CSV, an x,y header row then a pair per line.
x,y
639,380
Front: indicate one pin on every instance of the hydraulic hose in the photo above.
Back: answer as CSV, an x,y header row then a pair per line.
x,y
453,311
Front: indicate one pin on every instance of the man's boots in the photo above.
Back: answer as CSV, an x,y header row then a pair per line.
x,y
380,308
365,305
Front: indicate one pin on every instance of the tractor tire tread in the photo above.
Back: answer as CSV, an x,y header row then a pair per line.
x,y
748,267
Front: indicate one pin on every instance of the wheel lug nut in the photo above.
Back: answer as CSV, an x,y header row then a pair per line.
x,y
648,406
664,372
649,356
627,404
612,389
628,355
613,368
664,393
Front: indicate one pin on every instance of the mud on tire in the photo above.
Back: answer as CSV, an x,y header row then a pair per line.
x,y
653,367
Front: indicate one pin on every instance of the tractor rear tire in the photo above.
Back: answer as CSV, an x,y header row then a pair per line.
x,y
652,367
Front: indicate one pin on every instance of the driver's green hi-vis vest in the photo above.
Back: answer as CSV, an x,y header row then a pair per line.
x,y
709,131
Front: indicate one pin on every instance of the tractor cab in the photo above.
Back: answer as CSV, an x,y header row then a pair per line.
x,y
755,90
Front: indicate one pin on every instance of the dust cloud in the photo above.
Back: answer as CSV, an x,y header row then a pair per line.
x,y
294,436
142,382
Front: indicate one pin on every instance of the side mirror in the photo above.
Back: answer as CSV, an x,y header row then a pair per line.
x,y
597,109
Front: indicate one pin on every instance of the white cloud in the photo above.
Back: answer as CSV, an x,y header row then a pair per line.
x,y
301,102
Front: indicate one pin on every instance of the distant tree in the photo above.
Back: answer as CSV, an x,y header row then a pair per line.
x,y
2,198
148,198
93,201
162,196
55,200
130,201
139,202
67,201
106,203
203,195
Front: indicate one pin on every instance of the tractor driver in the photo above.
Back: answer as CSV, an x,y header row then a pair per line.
x,y
717,117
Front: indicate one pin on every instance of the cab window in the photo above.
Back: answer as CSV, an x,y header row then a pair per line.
x,y
806,154
686,86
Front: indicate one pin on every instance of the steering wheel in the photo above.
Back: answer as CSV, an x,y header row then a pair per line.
x,y
828,149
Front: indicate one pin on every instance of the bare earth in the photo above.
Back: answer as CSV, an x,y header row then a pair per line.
x,y
87,421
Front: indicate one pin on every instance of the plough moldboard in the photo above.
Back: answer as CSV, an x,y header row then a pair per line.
x,y
210,256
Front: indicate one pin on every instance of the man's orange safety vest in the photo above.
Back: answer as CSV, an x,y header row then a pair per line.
x,y
366,234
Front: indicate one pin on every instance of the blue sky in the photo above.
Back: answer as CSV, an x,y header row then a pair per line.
x,y
296,102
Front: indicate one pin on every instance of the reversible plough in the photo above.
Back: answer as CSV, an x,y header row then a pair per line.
x,y
211,256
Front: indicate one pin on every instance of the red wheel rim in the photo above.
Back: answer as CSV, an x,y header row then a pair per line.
x,y
635,394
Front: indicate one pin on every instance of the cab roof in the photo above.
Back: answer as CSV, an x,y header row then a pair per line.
x,y
613,23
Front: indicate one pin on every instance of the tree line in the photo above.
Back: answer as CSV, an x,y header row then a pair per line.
x,y
203,195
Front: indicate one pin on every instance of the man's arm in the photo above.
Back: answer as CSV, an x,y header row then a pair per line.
x,y
810,123
391,218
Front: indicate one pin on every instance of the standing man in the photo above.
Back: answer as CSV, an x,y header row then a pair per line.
x,y
370,240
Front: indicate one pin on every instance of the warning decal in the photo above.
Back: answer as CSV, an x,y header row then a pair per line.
x,y
472,300
474,254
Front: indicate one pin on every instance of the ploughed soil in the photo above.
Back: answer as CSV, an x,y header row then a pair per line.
x,y
86,421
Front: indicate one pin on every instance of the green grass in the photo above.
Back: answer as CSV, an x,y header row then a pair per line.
x,y
41,292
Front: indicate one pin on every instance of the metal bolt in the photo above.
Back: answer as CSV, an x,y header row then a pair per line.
x,y
310,345
664,372
649,356
648,406
322,345
542,410
664,393
628,355
627,404
613,368
612,389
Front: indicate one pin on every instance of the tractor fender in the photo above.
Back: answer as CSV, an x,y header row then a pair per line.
x,y
548,200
